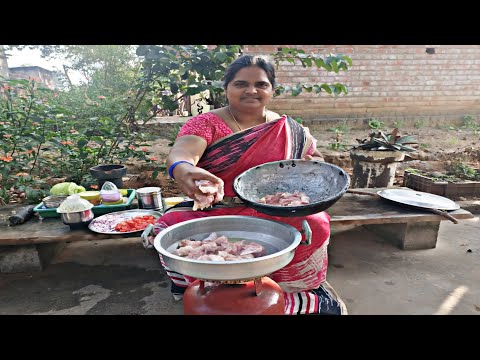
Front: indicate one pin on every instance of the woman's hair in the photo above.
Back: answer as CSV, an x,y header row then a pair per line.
x,y
246,61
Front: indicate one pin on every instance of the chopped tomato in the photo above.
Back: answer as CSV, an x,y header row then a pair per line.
x,y
135,224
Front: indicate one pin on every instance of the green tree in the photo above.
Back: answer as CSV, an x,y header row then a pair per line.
x,y
63,133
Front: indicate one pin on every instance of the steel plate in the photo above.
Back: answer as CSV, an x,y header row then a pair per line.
x,y
418,199
118,217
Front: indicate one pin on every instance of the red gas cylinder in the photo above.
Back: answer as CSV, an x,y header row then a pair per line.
x,y
257,297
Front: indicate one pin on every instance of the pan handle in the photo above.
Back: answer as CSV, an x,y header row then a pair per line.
x,y
445,214
144,236
308,233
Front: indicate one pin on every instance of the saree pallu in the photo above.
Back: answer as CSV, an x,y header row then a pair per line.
x,y
281,139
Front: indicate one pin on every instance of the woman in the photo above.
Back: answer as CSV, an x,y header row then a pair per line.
x,y
219,145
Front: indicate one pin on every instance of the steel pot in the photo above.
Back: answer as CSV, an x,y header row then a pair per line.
x,y
280,241
322,182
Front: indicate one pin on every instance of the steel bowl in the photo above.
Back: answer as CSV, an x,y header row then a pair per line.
x,y
322,182
280,241
77,218
53,201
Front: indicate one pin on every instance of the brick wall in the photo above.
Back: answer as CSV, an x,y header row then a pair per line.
x,y
386,82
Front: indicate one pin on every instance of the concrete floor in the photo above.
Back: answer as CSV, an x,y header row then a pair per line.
x,y
372,277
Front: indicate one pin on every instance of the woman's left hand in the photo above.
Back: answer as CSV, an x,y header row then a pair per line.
x,y
310,157
316,155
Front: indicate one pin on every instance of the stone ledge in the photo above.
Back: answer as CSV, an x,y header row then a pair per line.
x,y
28,258
470,205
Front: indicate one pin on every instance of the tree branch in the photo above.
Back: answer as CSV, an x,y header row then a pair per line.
x,y
65,70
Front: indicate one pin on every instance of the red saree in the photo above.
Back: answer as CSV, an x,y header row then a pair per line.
x,y
281,139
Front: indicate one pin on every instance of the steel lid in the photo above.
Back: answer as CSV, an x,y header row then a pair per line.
x,y
149,190
419,199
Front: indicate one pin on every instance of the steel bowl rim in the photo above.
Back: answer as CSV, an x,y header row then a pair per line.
x,y
142,191
55,196
54,200
291,247
300,207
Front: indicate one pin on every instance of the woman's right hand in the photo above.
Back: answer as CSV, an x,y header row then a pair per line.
x,y
185,176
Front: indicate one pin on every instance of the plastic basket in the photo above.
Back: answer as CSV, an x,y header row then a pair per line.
x,y
97,209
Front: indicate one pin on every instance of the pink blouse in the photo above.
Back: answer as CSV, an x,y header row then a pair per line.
x,y
212,128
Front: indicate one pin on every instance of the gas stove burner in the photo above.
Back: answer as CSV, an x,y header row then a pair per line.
x,y
260,296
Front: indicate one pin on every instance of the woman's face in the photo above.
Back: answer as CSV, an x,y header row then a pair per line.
x,y
250,89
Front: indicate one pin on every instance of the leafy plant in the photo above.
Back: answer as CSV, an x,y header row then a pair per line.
x,y
338,146
414,171
419,123
339,132
469,122
375,124
331,63
386,142
463,170
456,171
342,129
45,134
172,73
398,123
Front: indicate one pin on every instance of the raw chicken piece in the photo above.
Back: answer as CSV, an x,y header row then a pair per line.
x,y
253,248
211,257
202,201
298,198
185,250
214,193
219,248
212,237
191,243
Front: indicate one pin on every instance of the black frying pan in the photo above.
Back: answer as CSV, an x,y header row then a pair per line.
x,y
322,182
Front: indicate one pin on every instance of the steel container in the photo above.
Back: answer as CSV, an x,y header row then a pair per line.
x,y
150,198
280,241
